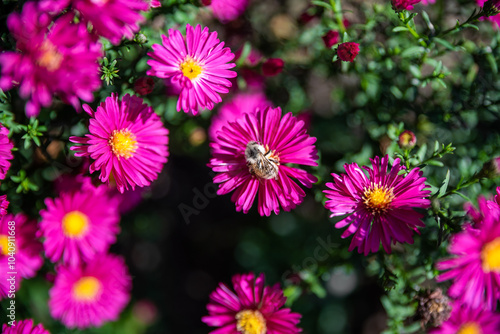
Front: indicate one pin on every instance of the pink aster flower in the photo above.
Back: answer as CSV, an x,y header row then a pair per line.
x,y
348,51
240,104
127,140
91,294
113,19
251,309
6,147
80,224
475,266
199,62
28,249
24,327
50,55
250,156
227,10
380,206
466,320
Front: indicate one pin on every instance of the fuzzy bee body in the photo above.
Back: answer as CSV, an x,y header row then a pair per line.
x,y
260,163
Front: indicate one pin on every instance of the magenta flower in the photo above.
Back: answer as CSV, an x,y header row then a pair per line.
x,y
250,156
90,294
48,57
466,320
24,327
240,104
113,19
127,140
199,62
348,51
475,267
78,225
380,207
253,309
6,147
4,204
28,249
228,10
399,5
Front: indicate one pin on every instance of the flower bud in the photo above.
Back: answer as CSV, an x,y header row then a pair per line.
x,y
348,51
272,67
407,140
144,85
331,38
399,5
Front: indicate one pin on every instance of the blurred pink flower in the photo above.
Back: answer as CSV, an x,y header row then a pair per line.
x,y
24,327
475,265
240,104
113,19
227,10
250,156
380,207
6,147
199,62
50,55
254,308
399,5
90,294
144,85
127,142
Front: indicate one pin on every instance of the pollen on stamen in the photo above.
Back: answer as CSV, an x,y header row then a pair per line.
x,y
50,57
123,143
190,68
490,256
251,322
378,199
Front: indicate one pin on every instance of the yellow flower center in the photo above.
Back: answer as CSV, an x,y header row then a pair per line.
x,y
123,143
251,322
377,199
50,58
470,328
75,224
190,68
491,256
4,244
86,288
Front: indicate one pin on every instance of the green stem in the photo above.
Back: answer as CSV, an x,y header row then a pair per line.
x,y
337,11
473,18
411,30
473,179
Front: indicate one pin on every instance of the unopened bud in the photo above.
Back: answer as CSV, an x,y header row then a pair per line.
x,y
140,38
272,67
407,140
144,85
491,169
491,7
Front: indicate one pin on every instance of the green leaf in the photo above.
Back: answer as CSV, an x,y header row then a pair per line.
x,y
398,29
445,43
444,185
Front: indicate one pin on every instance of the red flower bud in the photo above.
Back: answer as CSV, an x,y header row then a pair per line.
x,y
407,140
331,38
272,66
348,51
399,5
206,2
144,85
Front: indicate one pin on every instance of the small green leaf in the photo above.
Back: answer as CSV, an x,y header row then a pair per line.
x,y
444,185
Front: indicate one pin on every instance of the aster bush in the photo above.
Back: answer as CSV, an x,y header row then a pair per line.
x,y
250,166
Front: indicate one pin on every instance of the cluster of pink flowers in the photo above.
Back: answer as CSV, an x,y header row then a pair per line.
x,y
52,50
